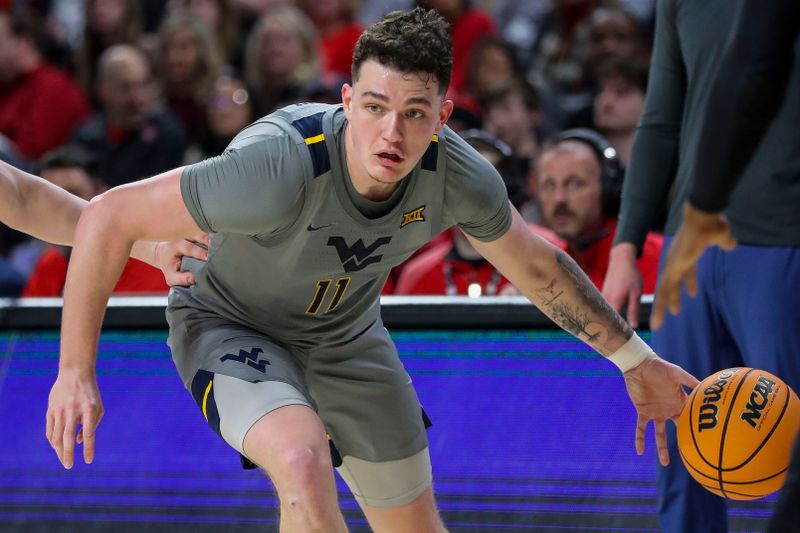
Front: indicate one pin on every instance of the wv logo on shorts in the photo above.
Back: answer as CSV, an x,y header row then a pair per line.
x,y
413,216
358,256
249,358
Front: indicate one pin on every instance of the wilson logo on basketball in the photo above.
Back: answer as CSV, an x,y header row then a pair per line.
x,y
758,400
747,455
711,395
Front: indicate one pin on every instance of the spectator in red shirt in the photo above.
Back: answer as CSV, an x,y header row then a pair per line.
x,y
39,104
578,184
71,169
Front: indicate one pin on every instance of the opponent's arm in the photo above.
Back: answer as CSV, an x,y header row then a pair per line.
x,y
653,164
550,279
35,206
151,209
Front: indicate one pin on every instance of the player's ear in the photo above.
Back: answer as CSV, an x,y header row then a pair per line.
x,y
347,99
444,114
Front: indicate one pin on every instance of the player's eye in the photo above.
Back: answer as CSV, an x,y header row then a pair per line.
x,y
415,113
373,108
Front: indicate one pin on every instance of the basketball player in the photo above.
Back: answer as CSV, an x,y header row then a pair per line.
x,y
746,308
35,206
281,341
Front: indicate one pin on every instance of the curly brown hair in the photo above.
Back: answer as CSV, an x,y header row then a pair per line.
x,y
416,41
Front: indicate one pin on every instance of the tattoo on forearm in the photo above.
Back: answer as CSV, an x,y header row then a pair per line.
x,y
590,318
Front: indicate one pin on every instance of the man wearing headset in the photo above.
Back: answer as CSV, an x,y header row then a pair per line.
x,y
577,181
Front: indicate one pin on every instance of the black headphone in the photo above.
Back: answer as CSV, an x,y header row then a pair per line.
x,y
611,171
510,167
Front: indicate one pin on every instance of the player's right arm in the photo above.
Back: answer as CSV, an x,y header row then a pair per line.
x,y
653,163
255,187
151,209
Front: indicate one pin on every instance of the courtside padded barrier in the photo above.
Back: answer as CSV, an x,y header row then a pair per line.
x,y
407,312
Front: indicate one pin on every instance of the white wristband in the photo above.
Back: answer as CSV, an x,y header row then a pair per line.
x,y
630,354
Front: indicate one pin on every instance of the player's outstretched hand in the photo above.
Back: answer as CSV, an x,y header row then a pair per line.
x,y
697,232
623,284
168,258
74,400
656,390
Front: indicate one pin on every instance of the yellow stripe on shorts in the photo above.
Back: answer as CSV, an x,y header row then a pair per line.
x,y
315,139
205,398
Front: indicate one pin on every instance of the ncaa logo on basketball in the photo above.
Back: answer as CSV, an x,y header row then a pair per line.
x,y
413,216
759,399
711,395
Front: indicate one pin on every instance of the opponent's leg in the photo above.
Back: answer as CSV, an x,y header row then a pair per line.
x,y
697,340
290,444
762,305
787,513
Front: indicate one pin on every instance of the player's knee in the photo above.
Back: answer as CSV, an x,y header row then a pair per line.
x,y
301,467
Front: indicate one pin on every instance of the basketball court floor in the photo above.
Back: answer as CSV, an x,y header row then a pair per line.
x,y
532,432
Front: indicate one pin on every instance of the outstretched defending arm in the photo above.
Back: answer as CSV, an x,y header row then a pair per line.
x,y
35,206
151,209
550,279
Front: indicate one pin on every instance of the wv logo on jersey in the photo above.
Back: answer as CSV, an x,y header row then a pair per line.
x,y
358,256
413,216
249,358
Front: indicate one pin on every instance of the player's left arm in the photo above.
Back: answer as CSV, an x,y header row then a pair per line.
x,y
553,282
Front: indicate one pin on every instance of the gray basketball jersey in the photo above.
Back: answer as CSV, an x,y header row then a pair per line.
x,y
292,252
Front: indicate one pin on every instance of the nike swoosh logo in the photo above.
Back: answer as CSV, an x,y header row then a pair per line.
x,y
315,228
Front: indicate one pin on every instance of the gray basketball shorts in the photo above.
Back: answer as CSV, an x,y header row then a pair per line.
x,y
359,388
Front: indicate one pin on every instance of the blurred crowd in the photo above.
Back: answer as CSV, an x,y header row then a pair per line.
x,y
98,93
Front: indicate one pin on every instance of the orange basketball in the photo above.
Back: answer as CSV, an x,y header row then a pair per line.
x,y
736,431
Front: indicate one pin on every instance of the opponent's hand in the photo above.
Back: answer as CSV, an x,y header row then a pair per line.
x,y
74,400
168,258
656,390
623,283
697,232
